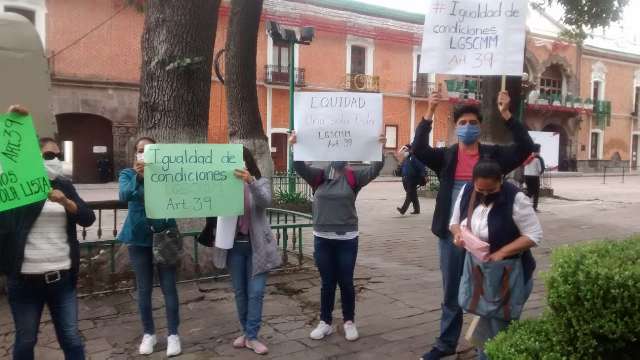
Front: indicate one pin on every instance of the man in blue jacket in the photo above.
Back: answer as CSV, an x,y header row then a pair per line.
x,y
413,175
454,166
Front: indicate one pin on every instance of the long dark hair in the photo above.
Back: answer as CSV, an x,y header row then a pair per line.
x,y
251,164
149,139
487,169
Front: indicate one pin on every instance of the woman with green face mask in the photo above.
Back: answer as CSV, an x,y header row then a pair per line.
x,y
454,167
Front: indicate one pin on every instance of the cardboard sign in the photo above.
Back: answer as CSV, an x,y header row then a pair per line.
x,y
471,37
23,179
338,126
192,180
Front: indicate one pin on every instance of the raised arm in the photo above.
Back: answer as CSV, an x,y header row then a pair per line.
x,y
130,186
368,174
432,158
306,172
83,215
512,156
261,192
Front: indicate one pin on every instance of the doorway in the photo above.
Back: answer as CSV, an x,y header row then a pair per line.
x,y
279,147
91,137
564,150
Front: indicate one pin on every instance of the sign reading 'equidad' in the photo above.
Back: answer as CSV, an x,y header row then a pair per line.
x,y
471,37
338,126
23,179
192,180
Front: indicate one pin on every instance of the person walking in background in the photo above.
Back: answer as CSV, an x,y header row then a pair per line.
x,y
500,215
137,233
533,170
335,229
254,254
413,175
454,166
40,254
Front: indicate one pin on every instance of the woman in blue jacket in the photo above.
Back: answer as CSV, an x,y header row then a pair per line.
x,y
138,235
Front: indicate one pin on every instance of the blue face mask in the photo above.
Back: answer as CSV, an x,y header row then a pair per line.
x,y
468,134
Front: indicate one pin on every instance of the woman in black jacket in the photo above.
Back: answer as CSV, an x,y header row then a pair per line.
x,y
39,253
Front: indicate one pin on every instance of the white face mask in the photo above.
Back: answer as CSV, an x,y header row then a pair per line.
x,y
54,168
140,157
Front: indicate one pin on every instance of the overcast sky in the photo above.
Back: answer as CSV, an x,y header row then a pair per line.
x,y
630,23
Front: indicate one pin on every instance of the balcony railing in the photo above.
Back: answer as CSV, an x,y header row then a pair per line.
x,y
422,89
279,75
362,82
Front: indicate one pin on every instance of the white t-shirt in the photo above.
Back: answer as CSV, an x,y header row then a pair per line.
x,y
47,248
524,217
534,168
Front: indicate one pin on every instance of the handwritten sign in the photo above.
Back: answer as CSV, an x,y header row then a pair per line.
x,y
192,180
338,126
23,179
471,37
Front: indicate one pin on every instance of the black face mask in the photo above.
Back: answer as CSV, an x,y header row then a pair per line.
x,y
488,199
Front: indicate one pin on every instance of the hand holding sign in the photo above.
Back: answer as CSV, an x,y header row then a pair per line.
x,y
18,109
504,100
434,100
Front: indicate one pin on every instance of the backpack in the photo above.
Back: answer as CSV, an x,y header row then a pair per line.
x,y
348,173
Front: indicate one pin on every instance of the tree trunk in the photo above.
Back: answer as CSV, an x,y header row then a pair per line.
x,y
175,83
245,124
493,129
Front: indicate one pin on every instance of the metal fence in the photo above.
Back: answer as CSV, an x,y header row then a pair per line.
x,y
287,226
610,174
280,184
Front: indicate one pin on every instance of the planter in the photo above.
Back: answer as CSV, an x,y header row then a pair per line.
x,y
542,102
557,103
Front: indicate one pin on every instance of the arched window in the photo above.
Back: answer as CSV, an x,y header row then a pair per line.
x,y
551,81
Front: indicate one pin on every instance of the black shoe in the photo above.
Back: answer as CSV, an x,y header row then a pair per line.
x,y
415,212
436,354
400,211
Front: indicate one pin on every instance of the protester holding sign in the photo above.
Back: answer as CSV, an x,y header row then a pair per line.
x,y
254,253
137,232
335,228
454,166
40,254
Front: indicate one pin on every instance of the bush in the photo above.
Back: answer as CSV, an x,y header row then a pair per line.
x,y
527,340
594,294
285,197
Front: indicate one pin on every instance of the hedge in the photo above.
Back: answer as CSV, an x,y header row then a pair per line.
x,y
593,294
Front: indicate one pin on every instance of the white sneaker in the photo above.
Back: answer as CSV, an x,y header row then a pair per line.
x,y
147,344
173,346
323,329
350,331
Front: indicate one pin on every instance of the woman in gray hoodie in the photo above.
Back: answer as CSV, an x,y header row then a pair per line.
x,y
335,230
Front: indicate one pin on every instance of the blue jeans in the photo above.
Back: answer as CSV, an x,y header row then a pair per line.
x,y
451,267
336,261
141,258
27,299
249,289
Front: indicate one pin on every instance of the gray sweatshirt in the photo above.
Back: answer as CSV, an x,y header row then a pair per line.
x,y
334,205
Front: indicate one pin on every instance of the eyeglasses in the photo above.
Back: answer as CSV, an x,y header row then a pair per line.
x,y
49,155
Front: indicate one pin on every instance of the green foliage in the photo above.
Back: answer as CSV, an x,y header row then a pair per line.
x,y
285,197
593,293
138,4
583,15
527,340
593,307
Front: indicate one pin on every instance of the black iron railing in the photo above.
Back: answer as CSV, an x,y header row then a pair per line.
x,y
279,75
362,82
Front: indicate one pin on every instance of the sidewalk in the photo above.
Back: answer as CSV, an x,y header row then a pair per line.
x,y
398,286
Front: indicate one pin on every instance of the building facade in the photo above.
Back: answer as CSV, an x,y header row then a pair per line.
x,y
93,47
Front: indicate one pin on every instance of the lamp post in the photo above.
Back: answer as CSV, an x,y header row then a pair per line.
x,y
526,87
278,34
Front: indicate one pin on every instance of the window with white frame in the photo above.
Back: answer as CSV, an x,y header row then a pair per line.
x,y
598,78
359,55
34,11
552,81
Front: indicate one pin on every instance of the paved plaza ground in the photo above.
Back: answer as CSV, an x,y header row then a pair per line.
x,y
398,283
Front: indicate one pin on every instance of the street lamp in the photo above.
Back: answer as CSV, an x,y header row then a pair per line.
x,y
280,35
526,87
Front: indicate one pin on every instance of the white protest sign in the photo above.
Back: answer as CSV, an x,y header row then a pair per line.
x,y
332,126
471,37
549,147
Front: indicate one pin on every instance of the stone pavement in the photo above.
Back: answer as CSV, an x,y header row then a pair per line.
x,y
398,283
